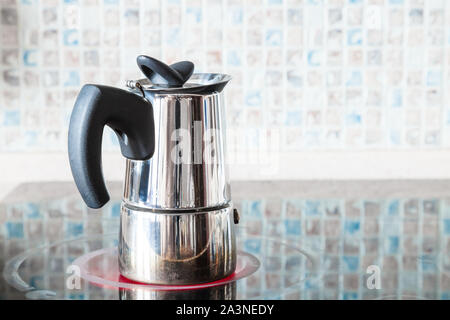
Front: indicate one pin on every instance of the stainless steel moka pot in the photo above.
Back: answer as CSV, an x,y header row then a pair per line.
x,y
177,220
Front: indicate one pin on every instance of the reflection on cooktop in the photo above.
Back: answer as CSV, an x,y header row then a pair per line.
x,y
351,234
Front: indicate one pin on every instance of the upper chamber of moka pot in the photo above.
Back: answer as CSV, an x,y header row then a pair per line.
x,y
171,130
188,169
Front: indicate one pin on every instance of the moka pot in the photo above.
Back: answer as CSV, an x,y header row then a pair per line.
x,y
177,218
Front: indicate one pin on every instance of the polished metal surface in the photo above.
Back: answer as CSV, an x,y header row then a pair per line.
x,y
177,223
177,247
223,292
195,81
188,169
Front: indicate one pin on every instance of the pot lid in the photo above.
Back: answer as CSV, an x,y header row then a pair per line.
x,y
176,78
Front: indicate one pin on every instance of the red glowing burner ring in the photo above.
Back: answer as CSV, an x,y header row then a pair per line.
x,y
101,268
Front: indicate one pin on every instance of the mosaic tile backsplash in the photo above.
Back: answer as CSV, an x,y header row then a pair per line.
x,y
327,74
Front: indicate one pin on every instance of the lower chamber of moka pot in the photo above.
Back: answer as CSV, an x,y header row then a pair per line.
x,y
173,248
88,268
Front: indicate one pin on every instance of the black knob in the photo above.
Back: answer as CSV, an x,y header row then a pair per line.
x,y
161,74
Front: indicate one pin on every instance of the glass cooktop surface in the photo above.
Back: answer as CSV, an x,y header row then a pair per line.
x,y
296,240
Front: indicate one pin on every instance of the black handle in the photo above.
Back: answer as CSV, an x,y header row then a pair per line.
x,y
161,74
129,115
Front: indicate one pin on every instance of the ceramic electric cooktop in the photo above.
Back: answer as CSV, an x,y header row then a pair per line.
x,y
296,240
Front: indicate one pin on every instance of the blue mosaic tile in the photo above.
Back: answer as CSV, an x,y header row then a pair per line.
x,y
315,2
350,296
312,208
253,98
293,118
72,79
78,296
30,58
252,209
393,208
354,118
115,210
352,227
395,137
71,37
350,263
237,15
173,37
11,118
253,245
408,280
37,282
428,263
434,78
314,58
195,13
274,37
354,37
31,138
234,59
445,295
74,229
447,226
32,211
14,230
397,99
293,227
310,284
393,245
355,79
